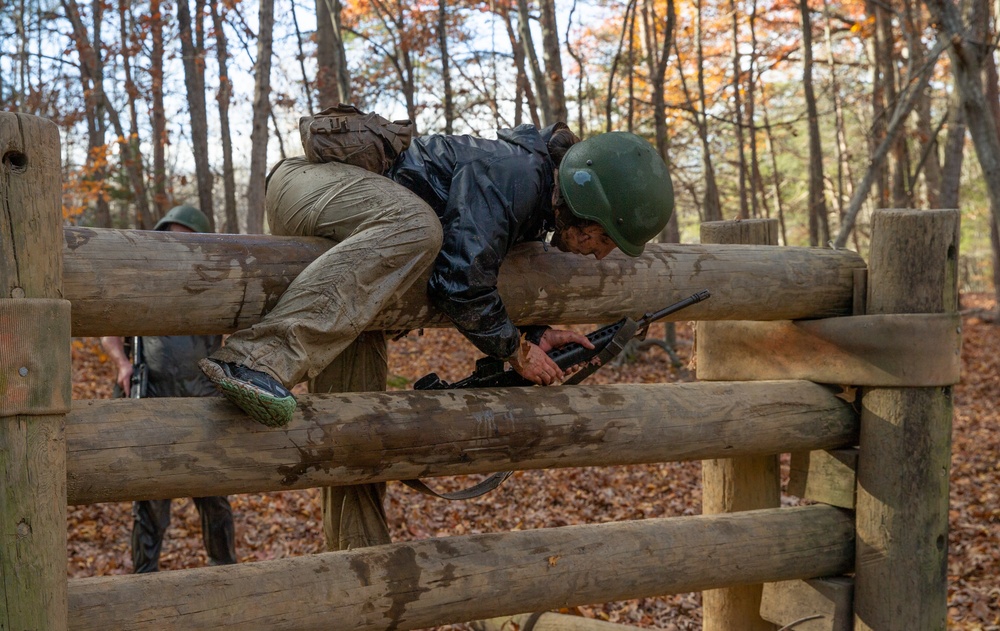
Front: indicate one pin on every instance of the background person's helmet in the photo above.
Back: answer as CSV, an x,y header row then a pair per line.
x,y
186,216
618,180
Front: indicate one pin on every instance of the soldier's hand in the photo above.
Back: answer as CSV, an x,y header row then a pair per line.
x,y
557,338
533,364
124,379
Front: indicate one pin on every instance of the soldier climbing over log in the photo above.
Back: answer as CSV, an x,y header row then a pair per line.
x,y
456,205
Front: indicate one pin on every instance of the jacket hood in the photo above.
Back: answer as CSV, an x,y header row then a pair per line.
x,y
528,137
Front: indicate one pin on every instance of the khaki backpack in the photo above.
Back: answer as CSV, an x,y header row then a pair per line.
x,y
344,133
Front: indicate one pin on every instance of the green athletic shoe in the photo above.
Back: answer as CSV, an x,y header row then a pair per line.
x,y
256,393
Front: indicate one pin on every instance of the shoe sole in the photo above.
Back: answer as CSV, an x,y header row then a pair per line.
x,y
260,405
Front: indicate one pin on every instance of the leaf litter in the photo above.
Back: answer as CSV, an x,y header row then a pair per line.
x,y
286,524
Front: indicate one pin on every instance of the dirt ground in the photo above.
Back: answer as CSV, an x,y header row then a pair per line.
x,y
277,525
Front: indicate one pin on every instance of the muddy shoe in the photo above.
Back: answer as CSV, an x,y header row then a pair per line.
x,y
256,393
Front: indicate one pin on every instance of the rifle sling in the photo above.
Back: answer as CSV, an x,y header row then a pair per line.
x,y
611,350
606,354
475,490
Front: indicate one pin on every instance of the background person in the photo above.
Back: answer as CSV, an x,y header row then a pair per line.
x,y
172,363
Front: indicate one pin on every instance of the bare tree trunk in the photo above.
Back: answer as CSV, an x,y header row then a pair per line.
x,y
954,153
524,82
630,109
845,179
756,180
992,90
899,166
442,32
193,56
819,227
333,79
713,206
903,108
90,61
158,117
879,112
966,55
738,111
775,173
657,54
579,76
930,164
541,91
306,88
223,98
630,9
97,150
261,113
553,61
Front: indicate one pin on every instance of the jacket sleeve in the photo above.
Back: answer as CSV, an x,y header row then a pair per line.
x,y
479,229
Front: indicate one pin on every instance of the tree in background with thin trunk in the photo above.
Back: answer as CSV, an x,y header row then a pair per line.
x,y
819,227
193,56
333,80
158,117
223,98
553,61
261,114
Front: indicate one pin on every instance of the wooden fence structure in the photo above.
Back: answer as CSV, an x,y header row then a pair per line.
x,y
800,350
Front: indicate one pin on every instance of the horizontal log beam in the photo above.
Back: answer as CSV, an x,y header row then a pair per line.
x,y
121,449
420,584
159,283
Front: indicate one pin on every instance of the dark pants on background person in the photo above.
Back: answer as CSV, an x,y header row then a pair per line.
x,y
152,517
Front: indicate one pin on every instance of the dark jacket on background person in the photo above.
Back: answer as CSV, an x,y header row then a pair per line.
x,y
489,195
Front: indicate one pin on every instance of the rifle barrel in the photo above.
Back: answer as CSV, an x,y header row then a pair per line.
x,y
649,318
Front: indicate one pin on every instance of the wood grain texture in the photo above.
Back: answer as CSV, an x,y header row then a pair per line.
x,y
547,621
828,476
419,584
32,448
121,449
819,604
745,483
149,283
905,443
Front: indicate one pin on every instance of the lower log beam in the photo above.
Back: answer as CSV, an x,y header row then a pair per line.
x,y
419,584
121,450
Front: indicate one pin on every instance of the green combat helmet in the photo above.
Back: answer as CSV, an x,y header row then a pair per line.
x,y
188,216
618,180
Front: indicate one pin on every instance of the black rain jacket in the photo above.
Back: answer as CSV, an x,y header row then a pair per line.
x,y
489,195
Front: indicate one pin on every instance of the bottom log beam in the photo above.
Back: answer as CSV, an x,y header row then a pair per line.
x,y
438,581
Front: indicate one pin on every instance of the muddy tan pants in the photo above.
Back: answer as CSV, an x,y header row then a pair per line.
x,y
386,237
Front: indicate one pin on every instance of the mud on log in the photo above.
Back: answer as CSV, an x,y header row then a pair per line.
x,y
147,283
420,584
120,450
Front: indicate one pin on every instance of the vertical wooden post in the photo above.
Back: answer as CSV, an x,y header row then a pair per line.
x,y
737,484
905,455
35,374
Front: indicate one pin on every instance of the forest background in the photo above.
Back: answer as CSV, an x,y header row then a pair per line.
x,y
814,112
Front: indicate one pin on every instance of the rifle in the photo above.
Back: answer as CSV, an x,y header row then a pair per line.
x,y
140,372
608,342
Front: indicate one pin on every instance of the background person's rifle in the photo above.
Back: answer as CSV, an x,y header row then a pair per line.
x,y
608,342
140,372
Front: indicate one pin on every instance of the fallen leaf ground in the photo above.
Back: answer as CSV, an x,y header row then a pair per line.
x,y
277,525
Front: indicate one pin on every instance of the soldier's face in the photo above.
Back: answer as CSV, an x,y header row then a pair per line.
x,y
584,241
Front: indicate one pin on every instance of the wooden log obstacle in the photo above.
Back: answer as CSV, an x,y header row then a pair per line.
x,y
812,334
